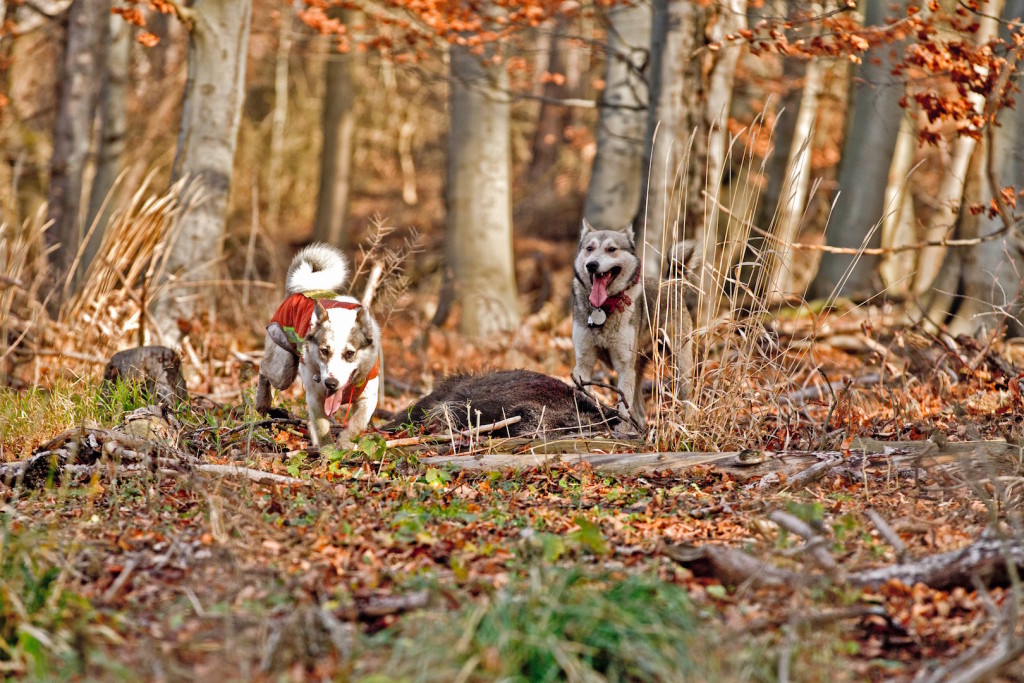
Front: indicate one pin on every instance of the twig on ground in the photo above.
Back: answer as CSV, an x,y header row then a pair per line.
x,y
258,476
888,533
816,543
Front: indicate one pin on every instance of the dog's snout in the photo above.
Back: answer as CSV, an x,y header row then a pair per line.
x,y
331,384
592,266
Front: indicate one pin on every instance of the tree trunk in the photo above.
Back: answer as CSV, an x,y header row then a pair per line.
x,y
79,83
872,125
339,124
951,191
206,149
673,123
793,201
613,195
898,224
731,19
992,288
549,137
114,128
279,117
479,197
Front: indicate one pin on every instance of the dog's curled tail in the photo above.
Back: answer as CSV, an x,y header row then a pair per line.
x,y
318,267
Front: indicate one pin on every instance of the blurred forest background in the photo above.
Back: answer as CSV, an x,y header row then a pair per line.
x,y
179,154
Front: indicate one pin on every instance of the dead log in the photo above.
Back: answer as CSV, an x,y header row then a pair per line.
x,y
734,567
986,559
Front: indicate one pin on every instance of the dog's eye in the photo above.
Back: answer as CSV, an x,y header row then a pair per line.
x,y
349,355
326,352
590,248
612,250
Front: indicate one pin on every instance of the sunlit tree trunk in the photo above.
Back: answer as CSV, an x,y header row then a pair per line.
x,y
673,122
206,151
113,131
339,124
873,123
898,227
731,19
79,83
793,199
479,230
613,195
279,117
993,288
951,190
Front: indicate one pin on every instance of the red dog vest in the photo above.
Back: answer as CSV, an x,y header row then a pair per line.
x,y
295,315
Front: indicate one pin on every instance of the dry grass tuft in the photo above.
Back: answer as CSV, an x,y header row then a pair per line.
x,y
744,370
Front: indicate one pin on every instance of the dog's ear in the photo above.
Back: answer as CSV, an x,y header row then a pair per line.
x,y
587,227
628,232
319,312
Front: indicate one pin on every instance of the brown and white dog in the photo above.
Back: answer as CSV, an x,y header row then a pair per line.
x,y
331,341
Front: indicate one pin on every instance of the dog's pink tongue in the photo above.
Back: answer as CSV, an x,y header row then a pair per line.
x,y
599,290
333,402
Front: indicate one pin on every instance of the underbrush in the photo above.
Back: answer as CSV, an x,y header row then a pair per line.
x,y
32,416
556,624
47,631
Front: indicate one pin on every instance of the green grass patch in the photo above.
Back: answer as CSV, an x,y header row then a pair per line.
x,y
552,625
30,417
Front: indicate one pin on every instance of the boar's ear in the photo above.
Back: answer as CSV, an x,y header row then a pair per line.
x,y
319,312
628,232
587,227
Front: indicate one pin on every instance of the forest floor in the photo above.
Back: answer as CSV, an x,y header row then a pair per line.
x,y
384,563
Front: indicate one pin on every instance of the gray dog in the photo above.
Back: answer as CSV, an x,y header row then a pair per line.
x,y
617,314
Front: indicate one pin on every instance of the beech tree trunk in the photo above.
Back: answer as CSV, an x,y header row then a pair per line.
x,y
339,124
731,19
78,87
898,228
951,191
793,199
553,118
613,196
479,230
113,130
992,287
673,122
206,150
873,123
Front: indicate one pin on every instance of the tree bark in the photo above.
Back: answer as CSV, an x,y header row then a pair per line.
x,y
206,149
78,87
613,195
339,124
779,265
898,224
479,230
552,119
872,125
951,191
673,122
731,19
992,289
114,129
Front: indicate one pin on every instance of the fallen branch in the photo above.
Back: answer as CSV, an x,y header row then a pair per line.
x,y
441,438
258,476
814,472
816,543
986,558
